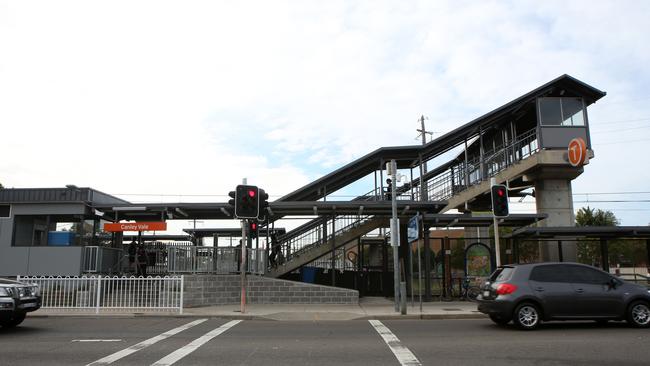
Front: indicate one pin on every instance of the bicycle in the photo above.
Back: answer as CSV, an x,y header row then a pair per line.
x,y
468,291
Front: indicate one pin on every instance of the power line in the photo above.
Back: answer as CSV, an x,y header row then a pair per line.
x,y
620,129
621,142
620,121
612,201
616,193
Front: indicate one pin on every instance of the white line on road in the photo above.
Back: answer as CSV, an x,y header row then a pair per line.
x,y
144,344
173,357
403,354
96,340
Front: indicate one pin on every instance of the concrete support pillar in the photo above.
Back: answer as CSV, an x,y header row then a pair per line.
x,y
554,197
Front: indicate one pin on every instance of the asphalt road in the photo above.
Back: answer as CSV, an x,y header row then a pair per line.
x,y
193,341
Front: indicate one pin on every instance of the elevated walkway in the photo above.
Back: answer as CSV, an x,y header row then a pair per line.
x,y
510,144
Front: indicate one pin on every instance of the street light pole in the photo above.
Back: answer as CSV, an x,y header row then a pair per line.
x,y
394,230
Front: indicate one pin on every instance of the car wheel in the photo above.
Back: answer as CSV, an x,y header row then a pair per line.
x,y
527,316
499,320
14,321
638,314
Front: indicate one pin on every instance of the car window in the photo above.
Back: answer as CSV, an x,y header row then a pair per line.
x,y
549,273
580,274
502,274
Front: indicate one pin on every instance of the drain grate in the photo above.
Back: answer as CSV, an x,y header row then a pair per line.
x,y
452,309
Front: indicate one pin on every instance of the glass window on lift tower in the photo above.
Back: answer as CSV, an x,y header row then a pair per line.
x,y
561,111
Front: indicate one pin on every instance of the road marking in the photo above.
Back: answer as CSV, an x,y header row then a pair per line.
x,y
96,340
173,357
403,354
144,344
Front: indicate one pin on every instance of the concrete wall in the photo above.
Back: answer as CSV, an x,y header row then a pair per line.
x,y
207,290
560,136
37,261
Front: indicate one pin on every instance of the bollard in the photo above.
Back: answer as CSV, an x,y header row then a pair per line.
x,y
402,297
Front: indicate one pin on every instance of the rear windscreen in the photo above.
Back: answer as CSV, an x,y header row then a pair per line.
x,y
502,274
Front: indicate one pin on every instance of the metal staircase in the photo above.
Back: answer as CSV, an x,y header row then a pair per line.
x,y
305,246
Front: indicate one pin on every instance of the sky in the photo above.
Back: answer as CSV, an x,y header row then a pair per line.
x,y
180,100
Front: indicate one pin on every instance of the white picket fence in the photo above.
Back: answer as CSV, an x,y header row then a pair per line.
x,y
110,293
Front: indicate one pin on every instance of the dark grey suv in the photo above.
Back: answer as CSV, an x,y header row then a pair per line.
x,y
528,294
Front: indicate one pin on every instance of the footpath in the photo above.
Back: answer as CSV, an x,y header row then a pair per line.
x,y
368,308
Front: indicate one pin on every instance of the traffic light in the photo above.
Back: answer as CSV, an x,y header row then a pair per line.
x,y
246,202
264,202
500,200
253,228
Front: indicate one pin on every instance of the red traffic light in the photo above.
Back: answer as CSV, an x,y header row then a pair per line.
x,y
254,226
251,193
500,192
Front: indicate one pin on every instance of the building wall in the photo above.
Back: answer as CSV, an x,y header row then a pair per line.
x,y
207,290
43,260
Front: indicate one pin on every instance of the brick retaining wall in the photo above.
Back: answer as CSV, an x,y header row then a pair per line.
x,y
207,290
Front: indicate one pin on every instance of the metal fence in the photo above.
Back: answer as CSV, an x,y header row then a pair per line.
x,y
214,260
110,293
172,258
101,260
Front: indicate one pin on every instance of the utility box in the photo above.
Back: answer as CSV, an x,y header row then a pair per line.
x,y
60,238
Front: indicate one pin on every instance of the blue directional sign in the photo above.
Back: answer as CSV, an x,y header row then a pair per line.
x,y
413,229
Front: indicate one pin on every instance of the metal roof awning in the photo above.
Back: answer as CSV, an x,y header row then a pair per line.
x,y
408,156
464,220
223,211
157,237
582,232
227,232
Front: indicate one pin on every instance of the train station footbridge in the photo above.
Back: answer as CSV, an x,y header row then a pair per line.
x,y
522,144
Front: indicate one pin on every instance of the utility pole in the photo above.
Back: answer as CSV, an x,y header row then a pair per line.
x,y
423,132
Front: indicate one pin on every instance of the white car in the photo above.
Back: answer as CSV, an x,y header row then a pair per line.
x,y
16,300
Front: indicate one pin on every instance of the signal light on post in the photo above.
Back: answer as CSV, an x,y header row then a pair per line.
x,y
246,202
500,200
253,228
264,202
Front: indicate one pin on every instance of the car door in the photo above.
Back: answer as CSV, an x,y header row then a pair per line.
x,y
595,296
550,284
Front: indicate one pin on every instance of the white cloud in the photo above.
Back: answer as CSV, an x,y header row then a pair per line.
x,y
159,96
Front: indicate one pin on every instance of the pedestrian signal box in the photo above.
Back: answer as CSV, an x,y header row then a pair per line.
x,y
500,200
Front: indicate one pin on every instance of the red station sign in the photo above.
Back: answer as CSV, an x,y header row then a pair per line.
x,y
577,151
135,226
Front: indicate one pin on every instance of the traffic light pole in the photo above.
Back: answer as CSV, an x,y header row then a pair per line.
x,y
242,267
497,247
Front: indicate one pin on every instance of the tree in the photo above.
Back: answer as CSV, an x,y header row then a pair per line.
x,y
1,187
589,250
587,216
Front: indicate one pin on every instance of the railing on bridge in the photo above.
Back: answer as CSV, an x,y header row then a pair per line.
x,y
341,263
97,293
441,187
466,174
294,244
